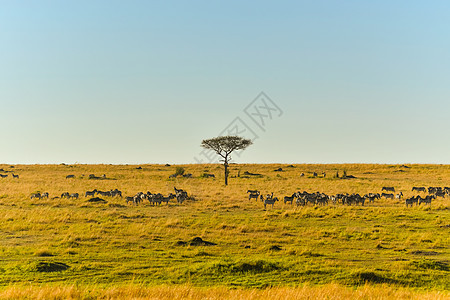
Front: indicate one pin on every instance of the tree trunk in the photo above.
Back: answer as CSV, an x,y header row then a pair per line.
x,y
226,171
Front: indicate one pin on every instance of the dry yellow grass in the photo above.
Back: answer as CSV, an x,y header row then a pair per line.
x,y
118,251
330,292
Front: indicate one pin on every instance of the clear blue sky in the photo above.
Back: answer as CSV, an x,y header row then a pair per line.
x,y
146,81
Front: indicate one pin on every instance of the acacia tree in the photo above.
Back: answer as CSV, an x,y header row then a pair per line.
x,y
224,146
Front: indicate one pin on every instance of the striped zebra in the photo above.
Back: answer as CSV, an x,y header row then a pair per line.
x,y
65,195
181,197
44,195
115,193
156,199
129,199
74,196
388,189
371,197
104,194
322,199
410,201
35,196
253,194
289,198
168,198
139,197
426,200
300,201
15,176
310,198
399,196
90,193
387,196
270,202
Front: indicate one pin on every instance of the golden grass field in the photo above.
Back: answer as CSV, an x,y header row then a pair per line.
x,y
114,251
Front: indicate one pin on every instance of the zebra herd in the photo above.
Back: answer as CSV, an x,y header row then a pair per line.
x,y
157,199
434,190
317,198
39,195
154,199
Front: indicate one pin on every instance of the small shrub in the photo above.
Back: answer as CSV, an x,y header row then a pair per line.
x,y
370,277
179,171
258,266
47,266
44,253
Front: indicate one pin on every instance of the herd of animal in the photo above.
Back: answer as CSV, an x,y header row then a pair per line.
x,y
157,199
154,199
317,198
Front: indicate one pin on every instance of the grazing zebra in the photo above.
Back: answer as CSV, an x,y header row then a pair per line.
x,y
65,195
15,176
387,196
253,194
129,199
310,198
322,199
168,198
399,196
104,194
3,176
388,189
300,201
44,195
419,189
70,176
372,197
427,199
433,190
360,200
180,194
302,175
156,199
289,198
181,197
411,201
440,193
35,196
90,193
139,197
74,196
314,174
115,193
270,201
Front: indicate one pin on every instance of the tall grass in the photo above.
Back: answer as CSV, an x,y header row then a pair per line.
x,y
331,292
68,248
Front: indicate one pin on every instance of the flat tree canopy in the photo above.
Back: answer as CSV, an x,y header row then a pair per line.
x,y
224,146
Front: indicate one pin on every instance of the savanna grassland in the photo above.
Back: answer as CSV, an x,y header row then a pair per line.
x,y
64,248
